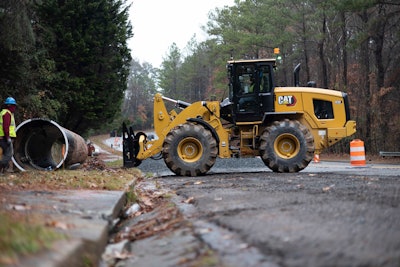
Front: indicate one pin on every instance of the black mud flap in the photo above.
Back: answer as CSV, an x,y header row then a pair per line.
x,y
130,147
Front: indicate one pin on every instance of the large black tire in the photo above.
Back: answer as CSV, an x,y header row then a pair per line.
x,y
190,150
287,146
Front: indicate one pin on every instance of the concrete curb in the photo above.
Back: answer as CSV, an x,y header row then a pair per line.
x,y
86,217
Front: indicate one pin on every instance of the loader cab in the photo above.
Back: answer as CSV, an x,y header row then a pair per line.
x,y
251,89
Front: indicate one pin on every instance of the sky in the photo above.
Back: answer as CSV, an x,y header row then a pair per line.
x,y
157,24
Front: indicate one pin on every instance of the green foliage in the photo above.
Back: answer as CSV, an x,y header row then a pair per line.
x,y
65,60
137,109
355,5
16,43
21,237
191,78
169,79
348,45
68,60
91,57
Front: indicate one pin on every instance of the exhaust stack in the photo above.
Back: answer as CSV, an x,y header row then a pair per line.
x,y
42,144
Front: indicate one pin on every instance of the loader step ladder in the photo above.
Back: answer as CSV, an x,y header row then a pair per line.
x,y
248,141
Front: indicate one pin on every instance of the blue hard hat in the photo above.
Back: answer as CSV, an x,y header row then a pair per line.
x,y
10,101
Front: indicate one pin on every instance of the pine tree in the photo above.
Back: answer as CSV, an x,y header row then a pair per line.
x,y
89,47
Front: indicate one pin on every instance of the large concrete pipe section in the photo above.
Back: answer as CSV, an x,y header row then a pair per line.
x,y
42,144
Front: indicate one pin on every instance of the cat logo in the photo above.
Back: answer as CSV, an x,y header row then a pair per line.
x,y
288,100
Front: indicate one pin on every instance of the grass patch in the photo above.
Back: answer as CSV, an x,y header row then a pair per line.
x,y
108,179
99,141
21,237
22,234
115,164
131,197
207,259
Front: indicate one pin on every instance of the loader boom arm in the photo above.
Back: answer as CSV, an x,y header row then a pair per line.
x,y
205,112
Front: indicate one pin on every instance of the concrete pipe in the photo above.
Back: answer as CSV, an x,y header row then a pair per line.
x,y
42,144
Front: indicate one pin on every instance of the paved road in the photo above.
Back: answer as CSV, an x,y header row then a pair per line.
x,y
256,165
307,219
330,214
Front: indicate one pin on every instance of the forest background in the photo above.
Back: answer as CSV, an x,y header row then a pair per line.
x,y
69,60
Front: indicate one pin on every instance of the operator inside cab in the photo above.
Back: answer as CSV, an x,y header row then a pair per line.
x,y
251,89
247,99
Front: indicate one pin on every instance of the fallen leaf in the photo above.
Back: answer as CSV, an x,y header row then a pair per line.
x,y
117,255
157,194
198,182
92,185
122,255
189,200
59,225
18,207
326,189
146,201
205,230
243,246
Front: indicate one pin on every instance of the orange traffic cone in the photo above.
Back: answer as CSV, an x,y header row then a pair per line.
x,y
357,153
316,158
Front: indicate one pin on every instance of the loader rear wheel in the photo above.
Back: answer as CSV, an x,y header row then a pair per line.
x,y
190,150
287,146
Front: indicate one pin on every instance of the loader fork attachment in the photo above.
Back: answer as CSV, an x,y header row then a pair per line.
x,y
130,147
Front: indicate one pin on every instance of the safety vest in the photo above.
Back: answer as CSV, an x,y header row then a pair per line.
x,y
12,125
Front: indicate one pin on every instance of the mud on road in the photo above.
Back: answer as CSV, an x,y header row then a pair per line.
x,y
303,219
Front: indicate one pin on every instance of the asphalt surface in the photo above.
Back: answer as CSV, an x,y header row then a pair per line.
x,y
240,214
303,220
244,165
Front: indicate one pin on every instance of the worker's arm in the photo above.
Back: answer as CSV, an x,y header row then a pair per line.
x,y
6,126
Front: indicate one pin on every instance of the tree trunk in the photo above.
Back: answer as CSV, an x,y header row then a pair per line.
x,y
321,52
344,49
366,84
306,51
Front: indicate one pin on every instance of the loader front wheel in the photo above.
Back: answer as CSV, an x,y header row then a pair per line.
x,y
287,146
190,150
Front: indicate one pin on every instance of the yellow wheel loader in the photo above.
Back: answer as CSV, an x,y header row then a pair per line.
x,y
284,126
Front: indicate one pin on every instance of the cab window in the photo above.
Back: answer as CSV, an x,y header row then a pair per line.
x,y
265,79
246,84
323,109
